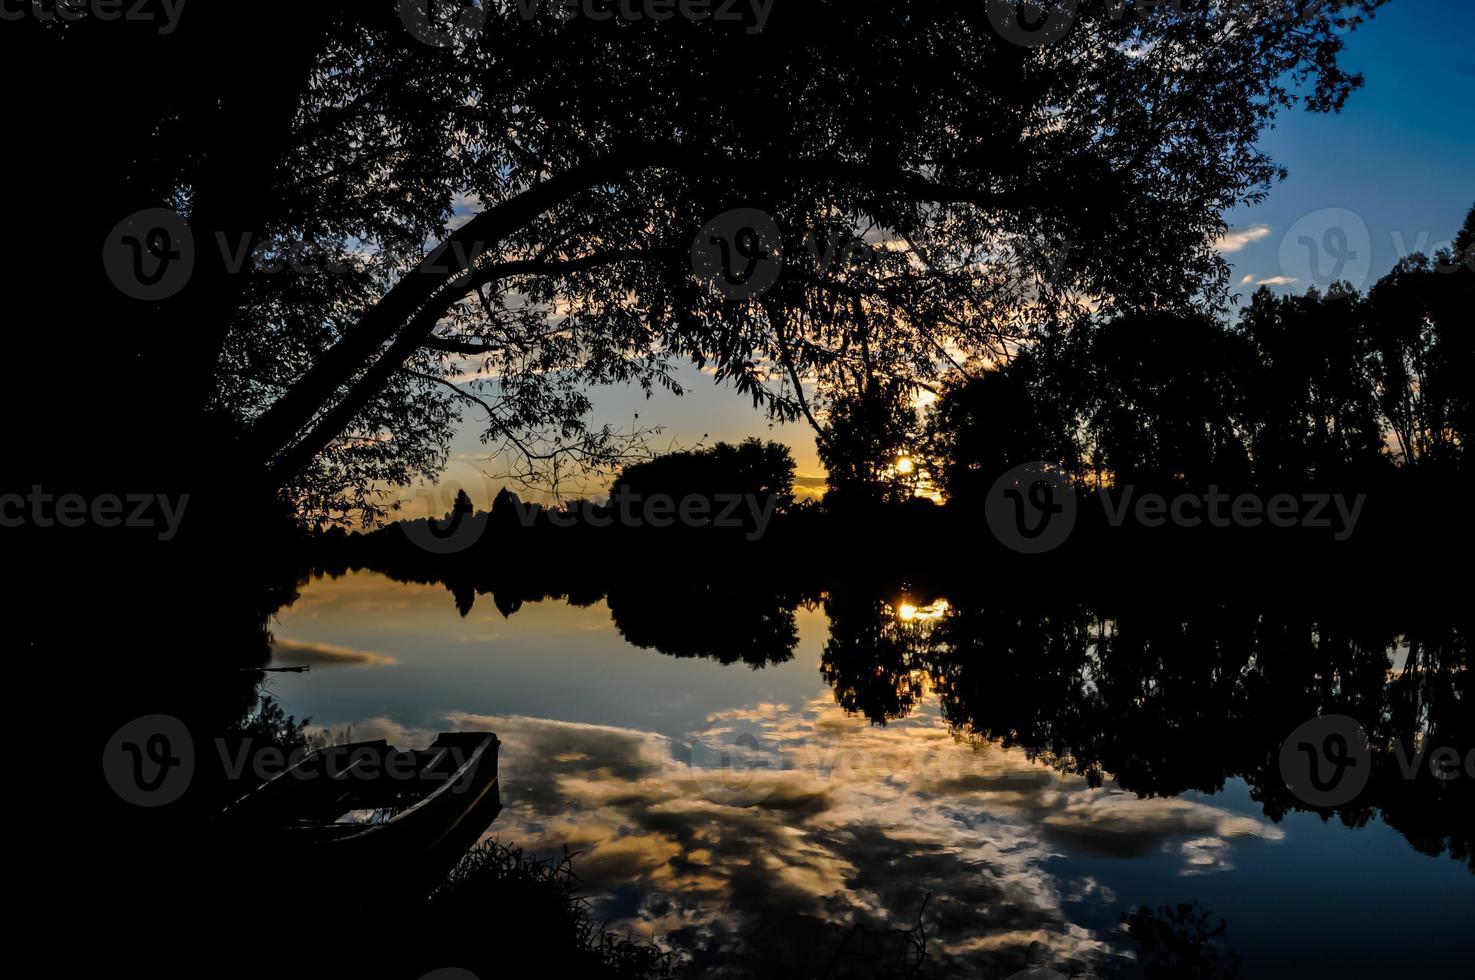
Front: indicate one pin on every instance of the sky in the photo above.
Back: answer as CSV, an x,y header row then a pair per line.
x,y
1392,174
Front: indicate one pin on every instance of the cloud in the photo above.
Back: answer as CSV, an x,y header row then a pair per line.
x,y
1270,281
464,207
298,654
842,822
810,486
1113,823
1236,240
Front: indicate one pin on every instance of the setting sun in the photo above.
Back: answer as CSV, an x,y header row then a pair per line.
x,y
908,612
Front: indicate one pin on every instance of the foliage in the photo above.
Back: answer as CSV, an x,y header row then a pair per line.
x,y
1312,407
500,225
1179,943
1302,389
1423,353
866,434
270,725
755,467
536,903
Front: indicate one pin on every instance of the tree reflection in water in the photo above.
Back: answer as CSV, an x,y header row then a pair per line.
x,y
1173,698
1087,727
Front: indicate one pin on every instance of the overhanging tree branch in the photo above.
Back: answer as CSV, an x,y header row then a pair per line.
x,y
284,466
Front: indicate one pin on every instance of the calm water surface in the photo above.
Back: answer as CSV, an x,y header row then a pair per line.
x,y
824,818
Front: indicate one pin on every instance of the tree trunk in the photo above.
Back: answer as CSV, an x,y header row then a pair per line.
x,y
394,314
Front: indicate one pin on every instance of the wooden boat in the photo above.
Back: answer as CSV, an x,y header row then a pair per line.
x,y
372,807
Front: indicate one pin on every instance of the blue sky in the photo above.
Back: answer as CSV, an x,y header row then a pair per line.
x,y
1400,158
1393,173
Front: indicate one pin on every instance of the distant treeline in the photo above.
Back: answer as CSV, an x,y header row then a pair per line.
x,y
1317,389
1350,413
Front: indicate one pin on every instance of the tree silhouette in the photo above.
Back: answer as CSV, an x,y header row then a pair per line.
x,y
866,436
1423,352
1311,407
1181,943
724,621
1165,402
1300,390
592,151
1001,419
750,468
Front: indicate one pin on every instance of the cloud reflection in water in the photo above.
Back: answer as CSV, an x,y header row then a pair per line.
x,y
855,823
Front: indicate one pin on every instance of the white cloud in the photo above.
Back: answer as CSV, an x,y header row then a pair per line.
x,y
825,818
297,653
1237,239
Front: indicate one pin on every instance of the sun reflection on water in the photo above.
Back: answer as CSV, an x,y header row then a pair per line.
x,y
908,612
